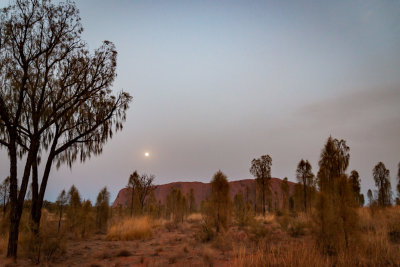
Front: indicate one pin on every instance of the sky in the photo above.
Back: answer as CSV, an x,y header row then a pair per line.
x,y
218,83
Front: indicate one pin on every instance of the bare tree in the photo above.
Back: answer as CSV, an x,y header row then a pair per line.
x,y
142,186
55,97
305,176
382,181
261,170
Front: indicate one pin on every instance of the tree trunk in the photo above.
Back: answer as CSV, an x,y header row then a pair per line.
x,y
13,234
13,193
17,199
59,220
35,216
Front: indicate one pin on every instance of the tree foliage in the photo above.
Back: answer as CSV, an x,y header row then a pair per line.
x,y
55,100
218,207
356,186
382,182
261,170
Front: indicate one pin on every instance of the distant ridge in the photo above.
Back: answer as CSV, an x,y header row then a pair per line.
x,y
202,190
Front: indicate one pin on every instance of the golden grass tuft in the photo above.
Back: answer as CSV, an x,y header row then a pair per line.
x,y
267,219
131,229
194,217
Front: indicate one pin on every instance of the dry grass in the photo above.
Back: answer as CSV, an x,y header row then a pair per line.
x,y
301,254
194,217
131,229
267,219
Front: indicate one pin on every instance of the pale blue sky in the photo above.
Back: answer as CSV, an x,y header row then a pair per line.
x,y
217,83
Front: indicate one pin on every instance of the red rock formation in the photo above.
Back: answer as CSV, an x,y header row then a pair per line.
x,y
202,190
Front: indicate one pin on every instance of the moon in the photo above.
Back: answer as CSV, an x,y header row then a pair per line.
x,y
147,154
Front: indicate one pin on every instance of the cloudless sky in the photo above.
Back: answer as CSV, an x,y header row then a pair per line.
x,y
218,83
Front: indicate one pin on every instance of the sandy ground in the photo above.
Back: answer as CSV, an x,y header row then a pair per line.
x,y
176,247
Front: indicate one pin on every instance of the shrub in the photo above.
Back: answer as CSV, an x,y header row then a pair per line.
x,y
47,245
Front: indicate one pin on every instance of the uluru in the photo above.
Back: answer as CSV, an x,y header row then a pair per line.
x,y
202,190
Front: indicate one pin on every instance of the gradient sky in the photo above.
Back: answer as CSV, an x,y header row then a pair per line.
x,y
218,83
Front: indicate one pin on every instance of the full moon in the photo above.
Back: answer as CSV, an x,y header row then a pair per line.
x,y
147,154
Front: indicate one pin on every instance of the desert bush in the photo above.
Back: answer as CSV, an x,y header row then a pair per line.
x,y
243,212
177,206
296,228
47,245
206,232
258,230
131,229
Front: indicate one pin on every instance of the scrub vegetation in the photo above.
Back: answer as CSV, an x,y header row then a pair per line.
x,y
57,106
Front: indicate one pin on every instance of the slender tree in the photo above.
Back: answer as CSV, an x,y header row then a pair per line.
x,y
336,214
61,202
261,170
74,207
370,197
102,209
176,205
4,194
305,176
382,182
131,186
220,201
192,201
334,161
285,193
355,182
55,98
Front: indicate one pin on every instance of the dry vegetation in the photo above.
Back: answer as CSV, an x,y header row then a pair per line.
x,y
273,240
131,229
331,228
